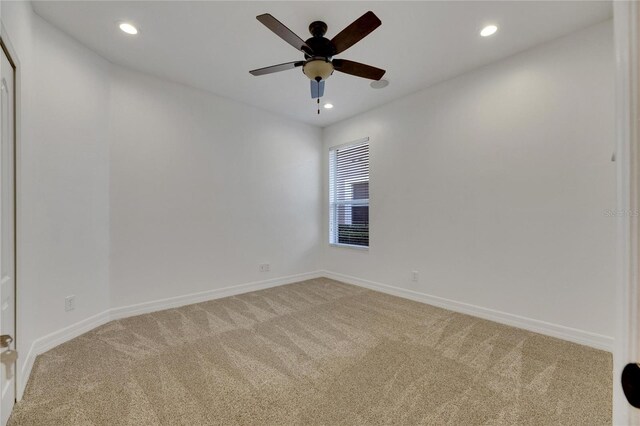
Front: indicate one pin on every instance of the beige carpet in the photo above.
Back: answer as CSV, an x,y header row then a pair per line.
x,y
315,352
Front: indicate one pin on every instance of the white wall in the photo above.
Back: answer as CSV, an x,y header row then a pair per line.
x,y
494,186
201,189
204,189
63,178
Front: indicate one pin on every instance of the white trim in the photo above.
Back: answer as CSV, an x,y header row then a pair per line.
x,y
349,246
347,144
332,205
58,337
17,140
23,376
51,340
626,17
582,337
188,299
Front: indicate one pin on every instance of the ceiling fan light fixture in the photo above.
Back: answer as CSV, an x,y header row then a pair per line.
x,y
318,51
318,68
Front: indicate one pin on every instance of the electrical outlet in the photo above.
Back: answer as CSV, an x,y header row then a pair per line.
x,y
69,303
264,267
414,276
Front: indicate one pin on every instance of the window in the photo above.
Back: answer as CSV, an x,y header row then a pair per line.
x,y
349,194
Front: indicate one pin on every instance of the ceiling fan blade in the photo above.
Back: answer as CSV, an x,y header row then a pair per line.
x,y
358,69
355,32
276,68
284,33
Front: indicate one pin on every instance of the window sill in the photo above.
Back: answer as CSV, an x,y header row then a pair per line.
x,y
349,246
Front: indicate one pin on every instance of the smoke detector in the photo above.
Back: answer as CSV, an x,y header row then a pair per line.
x,y
379,84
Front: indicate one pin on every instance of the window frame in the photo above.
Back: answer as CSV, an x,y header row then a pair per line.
x,y
364,202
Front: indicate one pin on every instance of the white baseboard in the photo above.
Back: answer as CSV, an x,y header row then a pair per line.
x,y
52,340
581,337
23,373
188,299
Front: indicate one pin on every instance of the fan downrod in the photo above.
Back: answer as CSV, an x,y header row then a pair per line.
x,y
318,28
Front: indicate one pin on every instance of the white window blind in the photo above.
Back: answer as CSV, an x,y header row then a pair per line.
x,y
349,194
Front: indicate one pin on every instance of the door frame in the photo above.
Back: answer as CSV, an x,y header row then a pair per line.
x,y
7,47
627,96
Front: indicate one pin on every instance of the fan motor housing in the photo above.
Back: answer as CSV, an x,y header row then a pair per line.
x,y
318,63
320,45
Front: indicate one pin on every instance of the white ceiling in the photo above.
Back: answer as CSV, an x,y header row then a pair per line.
x,y
213,45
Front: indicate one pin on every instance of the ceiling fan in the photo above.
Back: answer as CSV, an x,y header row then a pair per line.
x,y
318,51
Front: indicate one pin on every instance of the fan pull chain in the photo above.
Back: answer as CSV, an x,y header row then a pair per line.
x,y
318,105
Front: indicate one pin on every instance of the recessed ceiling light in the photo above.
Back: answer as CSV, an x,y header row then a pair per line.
x,y
328,106
488,30
128,28
379,84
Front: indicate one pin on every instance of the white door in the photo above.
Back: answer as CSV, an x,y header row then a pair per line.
x,y
7,240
